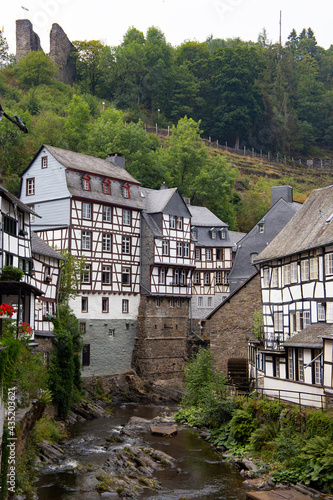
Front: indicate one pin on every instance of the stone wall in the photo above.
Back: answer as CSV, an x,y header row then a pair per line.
x,y
232,322
162,345
26,39
61,50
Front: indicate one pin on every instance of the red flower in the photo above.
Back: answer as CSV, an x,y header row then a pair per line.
x,y
25,328
7,310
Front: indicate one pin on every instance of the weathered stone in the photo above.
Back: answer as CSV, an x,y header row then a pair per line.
x,y
61,52
162,430
26,39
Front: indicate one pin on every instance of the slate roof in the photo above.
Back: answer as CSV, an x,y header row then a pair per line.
x,y
202,216
10,197
39,246
157,232
85,163
311,227
155,200
311,336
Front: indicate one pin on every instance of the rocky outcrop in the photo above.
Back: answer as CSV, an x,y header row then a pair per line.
x,y
61,53
26,39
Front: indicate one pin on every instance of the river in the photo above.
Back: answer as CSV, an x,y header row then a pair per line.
x,y
200,473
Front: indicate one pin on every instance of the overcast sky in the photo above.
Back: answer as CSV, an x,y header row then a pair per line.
x,y
108,20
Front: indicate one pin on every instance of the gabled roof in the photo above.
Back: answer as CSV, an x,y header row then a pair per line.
x,y
310,227
202,216
10,197
152,224
39,246
86,163
311,336
164,201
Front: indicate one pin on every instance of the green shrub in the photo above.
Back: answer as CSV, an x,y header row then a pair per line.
x,y
11,273
317,455
287,476
264,435
48,430
287,448
242,425
319,424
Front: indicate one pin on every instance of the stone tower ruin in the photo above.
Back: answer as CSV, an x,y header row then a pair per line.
x,y
26,39
61,48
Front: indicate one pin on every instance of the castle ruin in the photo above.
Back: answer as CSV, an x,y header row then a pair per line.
x,y
61,48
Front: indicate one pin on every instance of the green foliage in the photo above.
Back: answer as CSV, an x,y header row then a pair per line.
x,y
11,273
242,425
258,324
35,69
264,435
319,424
75,126
71,274
47,429
4,463
287,476
318,459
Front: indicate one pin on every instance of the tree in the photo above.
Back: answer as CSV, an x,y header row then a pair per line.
x,y
71,275
88,67
36,69
75,127
5,57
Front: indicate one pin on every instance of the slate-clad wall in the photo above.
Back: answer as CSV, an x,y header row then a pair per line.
x,y
231,323
163,332
109,355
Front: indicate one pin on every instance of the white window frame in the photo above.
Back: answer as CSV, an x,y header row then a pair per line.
x,y
314,268
305,270
179,223
209,254
293,272
196,278
275,277
126,217
172,221
162,276
106,275
179,249
186,250
106,242
287,274
206,277
107,213
200,301
329,264
86,240
321,311
86,210
126,245
300,355
278,321
266,276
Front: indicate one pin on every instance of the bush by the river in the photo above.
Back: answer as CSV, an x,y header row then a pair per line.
x,y
297,443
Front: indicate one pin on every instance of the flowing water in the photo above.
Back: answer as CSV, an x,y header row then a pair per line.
x,y
199,474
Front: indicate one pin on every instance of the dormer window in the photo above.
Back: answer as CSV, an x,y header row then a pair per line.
x,y
107,187
86,183
223,234
126,191
261,227
213,232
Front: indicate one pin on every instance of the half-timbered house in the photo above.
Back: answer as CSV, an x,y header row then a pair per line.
x,y
213,261
297,296
91,207
15,251
167,263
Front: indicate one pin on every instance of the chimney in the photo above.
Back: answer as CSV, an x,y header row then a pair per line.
x,y
187,200
285,192
164,186
117,159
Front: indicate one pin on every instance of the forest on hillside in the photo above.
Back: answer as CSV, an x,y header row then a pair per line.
x,y
254,94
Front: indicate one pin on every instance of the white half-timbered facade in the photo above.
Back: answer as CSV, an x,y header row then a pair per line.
x,y
213,261
92,207
15,251
297,296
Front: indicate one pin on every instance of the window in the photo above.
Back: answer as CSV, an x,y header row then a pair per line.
x,y
329,263
186,249
290,364
209,301
86,275
162,275
126,276
208,254
106,242
179,249
86,210
317,367
226,278
9,225
107,213
200,301
287,274
223,234
314,268
278,322
293,272
196,278
300,359
112,332
171,305
198,254
107,187
44,161
176,277
9,259
84,304
305,270
261,227
172,222
321,311
299,320
105,304
30,186
213,234
126,245
86,183
126,217
179,222
106,275
126,191
329,312
83,327
165,247
86,355
275,277
125,306
218,277
158,303
219,253
183,277
206,278
86,240
266,276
